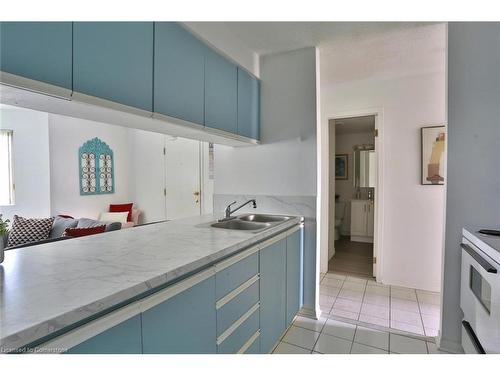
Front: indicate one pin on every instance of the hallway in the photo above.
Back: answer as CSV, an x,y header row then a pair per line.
x,y
352,258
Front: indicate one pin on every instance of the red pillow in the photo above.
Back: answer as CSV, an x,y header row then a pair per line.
x,y
122,208
80,232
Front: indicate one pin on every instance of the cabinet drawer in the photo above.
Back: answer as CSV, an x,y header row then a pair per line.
x,y
254,347
230,277
236,307
233,343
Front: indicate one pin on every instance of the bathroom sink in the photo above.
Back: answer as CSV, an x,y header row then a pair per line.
x,y
240,225
262,218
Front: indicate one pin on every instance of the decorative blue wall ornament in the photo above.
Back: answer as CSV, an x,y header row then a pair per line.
x,y
96,168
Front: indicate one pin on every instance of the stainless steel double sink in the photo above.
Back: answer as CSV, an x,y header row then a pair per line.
x,y
251,222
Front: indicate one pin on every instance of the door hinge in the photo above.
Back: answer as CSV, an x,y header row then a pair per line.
x,y
376,133
164,151
165,191
374,260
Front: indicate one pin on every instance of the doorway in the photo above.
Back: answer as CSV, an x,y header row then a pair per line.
x,y
172,176
353,161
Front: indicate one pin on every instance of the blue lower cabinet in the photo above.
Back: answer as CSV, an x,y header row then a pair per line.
x,y
41,51
272,294
293,275
233,276
124,338
114,61
185,323
221,88
234,342
248,105
254,348
235,308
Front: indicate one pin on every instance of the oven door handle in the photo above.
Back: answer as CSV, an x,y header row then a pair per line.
x,y
475,341
478,258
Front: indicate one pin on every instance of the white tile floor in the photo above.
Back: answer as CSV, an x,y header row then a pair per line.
x,y
330,336
361,300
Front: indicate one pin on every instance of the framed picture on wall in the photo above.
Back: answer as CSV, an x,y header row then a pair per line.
x,y
341,166
433,154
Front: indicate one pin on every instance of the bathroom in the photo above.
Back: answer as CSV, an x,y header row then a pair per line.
x,y
354,164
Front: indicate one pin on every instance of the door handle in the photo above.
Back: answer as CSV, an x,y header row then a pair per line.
x,y
196,196
478,258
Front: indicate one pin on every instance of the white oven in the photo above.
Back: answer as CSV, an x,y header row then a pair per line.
x,y
480,293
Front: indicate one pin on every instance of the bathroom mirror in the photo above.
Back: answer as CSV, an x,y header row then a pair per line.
x,y
364,166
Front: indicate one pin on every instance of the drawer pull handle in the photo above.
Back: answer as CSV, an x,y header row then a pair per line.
x,y
478,258
473,337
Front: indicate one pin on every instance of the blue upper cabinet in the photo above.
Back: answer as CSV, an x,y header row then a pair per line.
x,y
248,105
221,88
178,73
114,61
41,51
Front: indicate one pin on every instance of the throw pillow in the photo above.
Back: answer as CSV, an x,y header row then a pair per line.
x,y
25,230
122,208
120,217
60,224
81,232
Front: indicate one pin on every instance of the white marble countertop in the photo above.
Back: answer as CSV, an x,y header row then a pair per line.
x,y
48,287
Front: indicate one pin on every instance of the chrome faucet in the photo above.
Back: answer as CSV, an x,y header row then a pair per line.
x,y
229,211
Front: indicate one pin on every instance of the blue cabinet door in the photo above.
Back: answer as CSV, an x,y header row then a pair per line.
x,y
41,51
185,323
114,61
178,73
272,294
125,338
248,105
221,91
293,275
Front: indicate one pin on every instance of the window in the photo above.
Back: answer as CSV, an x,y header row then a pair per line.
x,y
6,176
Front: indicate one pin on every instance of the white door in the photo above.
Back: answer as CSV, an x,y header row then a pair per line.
x,y
358,218
183,174
147,180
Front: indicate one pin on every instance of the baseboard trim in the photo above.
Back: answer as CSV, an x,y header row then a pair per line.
x,y
449,346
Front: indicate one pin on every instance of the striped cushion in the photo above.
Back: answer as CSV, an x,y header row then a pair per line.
x,y
28,230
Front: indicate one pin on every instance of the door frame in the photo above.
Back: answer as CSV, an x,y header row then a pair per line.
x,y
378,232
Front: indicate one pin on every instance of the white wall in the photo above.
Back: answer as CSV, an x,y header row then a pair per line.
x,y
30,147
67,134
283,167
221,37
473,153
401,74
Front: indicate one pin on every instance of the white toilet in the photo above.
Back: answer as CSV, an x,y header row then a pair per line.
x,y
339,217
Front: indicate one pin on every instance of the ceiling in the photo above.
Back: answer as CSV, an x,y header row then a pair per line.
x,y
271,37
355,125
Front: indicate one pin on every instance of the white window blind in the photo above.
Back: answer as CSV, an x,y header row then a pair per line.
x,y
6,176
